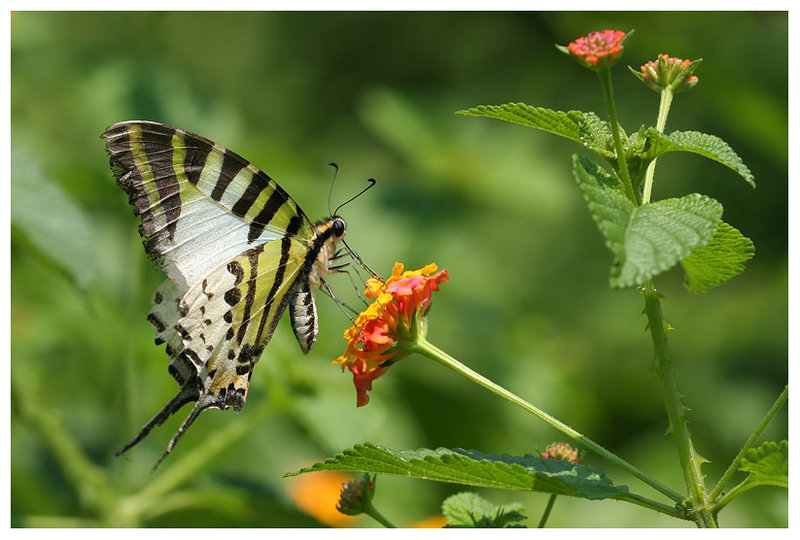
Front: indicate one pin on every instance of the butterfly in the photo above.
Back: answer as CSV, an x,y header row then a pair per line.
x,y
237,251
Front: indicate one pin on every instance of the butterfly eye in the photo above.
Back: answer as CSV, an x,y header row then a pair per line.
x,y
338,227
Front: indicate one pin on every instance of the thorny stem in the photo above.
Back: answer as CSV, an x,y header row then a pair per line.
x,y
689,459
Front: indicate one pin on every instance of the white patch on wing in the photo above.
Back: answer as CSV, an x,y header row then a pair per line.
x,y
207,235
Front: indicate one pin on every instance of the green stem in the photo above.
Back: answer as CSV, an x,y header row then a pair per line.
x,y
422,346
663,112
550,502
689,460
372,512
734,466
733,493
608,92
675,510
663,109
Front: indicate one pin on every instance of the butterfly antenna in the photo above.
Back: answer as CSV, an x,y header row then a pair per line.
x,y
333,183
354,197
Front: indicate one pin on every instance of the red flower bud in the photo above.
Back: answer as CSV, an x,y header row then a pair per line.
x,y
561,451
668,73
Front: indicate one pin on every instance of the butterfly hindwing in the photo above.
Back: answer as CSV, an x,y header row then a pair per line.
x,y
236,249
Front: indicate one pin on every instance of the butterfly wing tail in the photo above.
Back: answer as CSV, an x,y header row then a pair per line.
x,y
188,393
204,403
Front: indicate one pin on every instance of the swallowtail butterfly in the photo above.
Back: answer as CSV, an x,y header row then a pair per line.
x,y
237,250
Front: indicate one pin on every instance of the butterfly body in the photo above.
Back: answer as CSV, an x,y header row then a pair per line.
x,y
237,250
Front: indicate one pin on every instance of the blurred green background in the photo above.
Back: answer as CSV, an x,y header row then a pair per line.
x,y
528,304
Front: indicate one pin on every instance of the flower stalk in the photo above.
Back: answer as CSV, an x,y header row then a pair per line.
x,y
356,498
668,76
624,174
561,451
425,348
372,512
550,502
663,112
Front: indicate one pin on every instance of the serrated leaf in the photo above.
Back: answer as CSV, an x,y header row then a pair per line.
x,y
662,233
585,128
472,468
609,206
702,144
719,260
768,464
467,509
649,239
50,220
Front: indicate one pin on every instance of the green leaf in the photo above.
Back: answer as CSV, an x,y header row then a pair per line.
x,y
649,239
719,260
609,206
585,128
472,468
702,144
49,220
768,464
467,509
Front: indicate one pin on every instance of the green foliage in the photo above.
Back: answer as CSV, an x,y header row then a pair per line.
x,y
594,134
472,468
716,262
467,509
649,239
768,464
702,144
585,128
50,220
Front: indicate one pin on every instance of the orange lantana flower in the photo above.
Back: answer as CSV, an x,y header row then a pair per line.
x,y
386,329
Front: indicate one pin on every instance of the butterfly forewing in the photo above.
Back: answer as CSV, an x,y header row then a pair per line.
x,y
235,247
200,204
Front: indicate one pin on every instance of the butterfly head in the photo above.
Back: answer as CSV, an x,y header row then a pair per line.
x,y
331,229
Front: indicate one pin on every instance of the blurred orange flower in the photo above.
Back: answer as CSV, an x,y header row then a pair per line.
x,y
433,522
317,494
